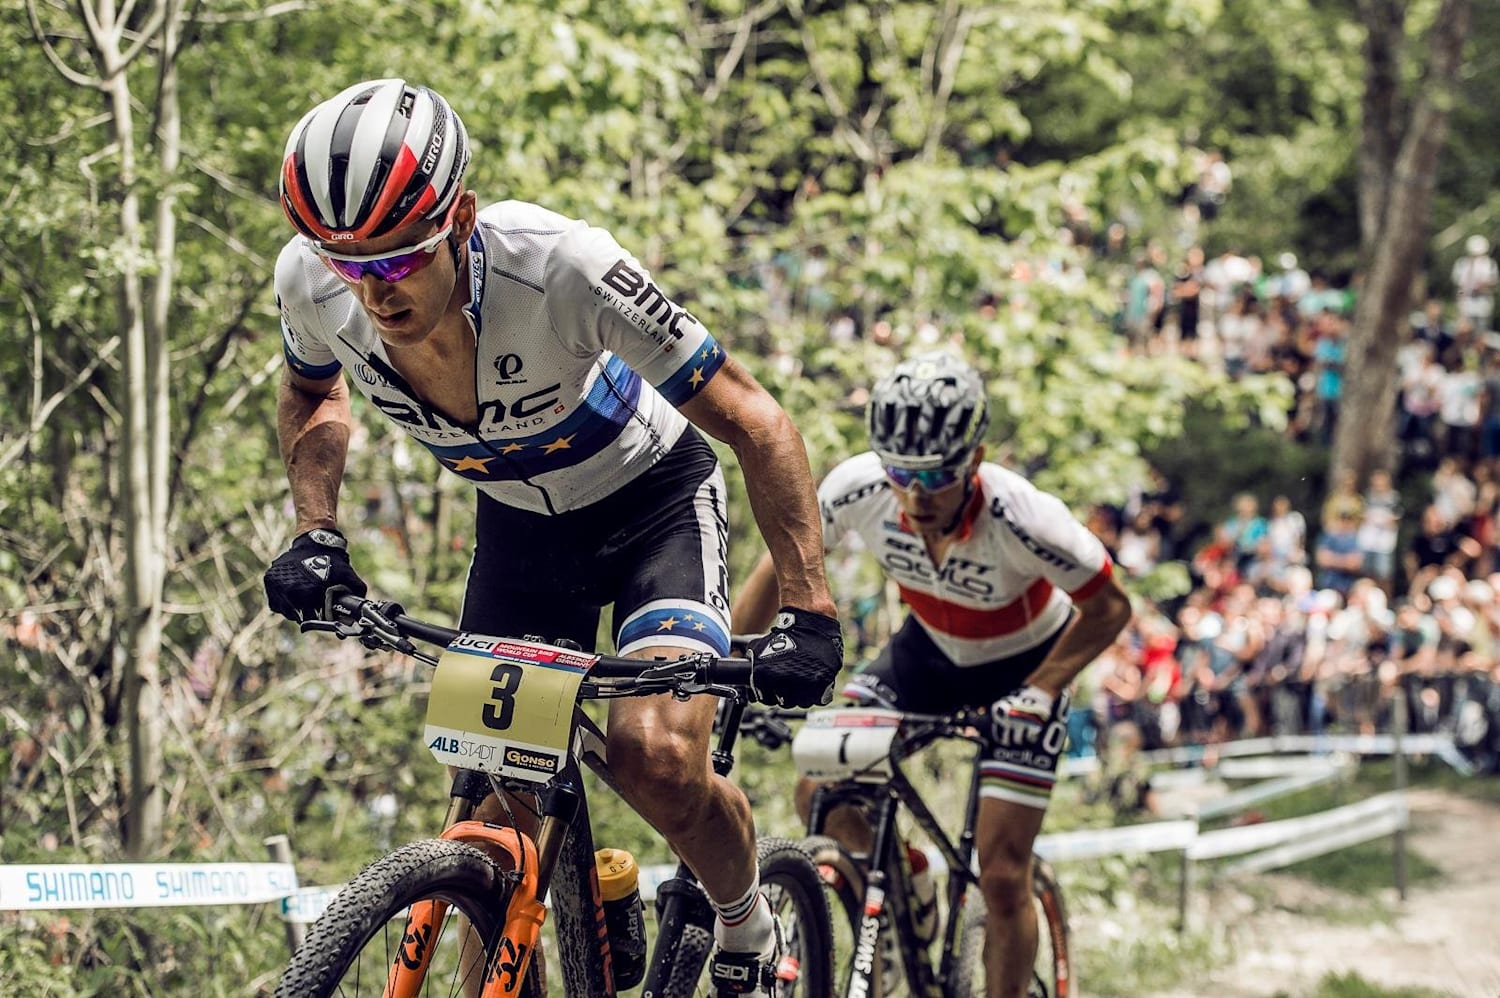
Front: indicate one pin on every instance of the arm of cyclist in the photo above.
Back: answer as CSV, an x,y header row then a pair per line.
x,y
1099,619
312,425
796,663
759,597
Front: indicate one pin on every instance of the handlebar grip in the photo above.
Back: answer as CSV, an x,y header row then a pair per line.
x,y
730,672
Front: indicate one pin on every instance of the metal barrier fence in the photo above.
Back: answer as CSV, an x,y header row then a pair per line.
x,y
1263,846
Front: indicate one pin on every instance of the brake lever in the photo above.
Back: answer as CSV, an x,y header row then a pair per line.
x,y
378,631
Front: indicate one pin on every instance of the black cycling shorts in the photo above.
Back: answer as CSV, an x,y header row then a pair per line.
x,y
656,549
912,674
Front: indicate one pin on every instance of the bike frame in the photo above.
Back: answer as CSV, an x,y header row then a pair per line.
x,y
561,858
888,883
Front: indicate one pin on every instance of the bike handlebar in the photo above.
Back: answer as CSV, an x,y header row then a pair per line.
x,y
385,624
769,727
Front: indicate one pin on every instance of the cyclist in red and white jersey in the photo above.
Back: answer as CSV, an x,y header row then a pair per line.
x,y
1010,598
540,361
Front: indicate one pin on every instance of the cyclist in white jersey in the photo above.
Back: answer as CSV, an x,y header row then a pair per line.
x,y
1010,599
540,361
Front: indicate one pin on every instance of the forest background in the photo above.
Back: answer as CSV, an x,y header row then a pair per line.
x,y
921,158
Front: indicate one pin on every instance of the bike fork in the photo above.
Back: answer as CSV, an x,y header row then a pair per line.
x,y
684,934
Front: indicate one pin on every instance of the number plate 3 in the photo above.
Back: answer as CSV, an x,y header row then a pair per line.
x,y
843,743
504,706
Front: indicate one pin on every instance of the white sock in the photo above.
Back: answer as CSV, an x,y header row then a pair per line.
x,y
744,925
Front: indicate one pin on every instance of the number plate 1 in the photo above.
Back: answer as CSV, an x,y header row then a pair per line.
x,y
504,706
843,743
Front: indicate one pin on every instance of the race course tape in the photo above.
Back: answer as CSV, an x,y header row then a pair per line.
x,y
42,886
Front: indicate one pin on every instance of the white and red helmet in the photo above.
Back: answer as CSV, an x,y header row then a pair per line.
x,y
379,156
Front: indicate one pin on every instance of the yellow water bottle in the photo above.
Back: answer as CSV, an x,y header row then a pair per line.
x,y
624,915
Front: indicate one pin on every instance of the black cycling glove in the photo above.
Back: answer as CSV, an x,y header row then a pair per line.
x,y
298,581
795,664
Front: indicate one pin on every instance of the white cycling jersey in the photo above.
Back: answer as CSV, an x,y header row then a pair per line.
x,y
581,358
1008,580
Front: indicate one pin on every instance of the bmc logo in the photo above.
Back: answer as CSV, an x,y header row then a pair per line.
x,y
624,279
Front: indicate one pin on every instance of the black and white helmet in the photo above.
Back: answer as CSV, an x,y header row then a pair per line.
x,y
930,412
380,156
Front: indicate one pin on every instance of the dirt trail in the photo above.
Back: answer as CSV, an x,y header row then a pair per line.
x,y
1445,937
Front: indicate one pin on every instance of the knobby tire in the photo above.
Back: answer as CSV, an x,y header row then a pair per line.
x,y
375,903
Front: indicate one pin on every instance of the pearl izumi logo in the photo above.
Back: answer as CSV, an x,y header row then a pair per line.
x,y
537,762
508,366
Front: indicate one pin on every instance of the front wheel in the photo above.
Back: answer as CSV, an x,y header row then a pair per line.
x,y
356,946
791,884
1052,973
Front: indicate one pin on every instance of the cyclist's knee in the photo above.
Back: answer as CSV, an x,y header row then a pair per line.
x,y
653,765
803,796
1005,882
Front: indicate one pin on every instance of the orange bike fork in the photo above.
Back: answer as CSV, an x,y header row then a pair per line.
x,y
518,939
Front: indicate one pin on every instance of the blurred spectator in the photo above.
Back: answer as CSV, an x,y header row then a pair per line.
x,y
1453,492
1292,282
1421,396
1489,423
1344,499
1435,546
1244,337
1145,297
1337,554
1287,530
1242,532
1379,528
1474,279
1187,290
1459,398
1139,547
1429,328
1329,353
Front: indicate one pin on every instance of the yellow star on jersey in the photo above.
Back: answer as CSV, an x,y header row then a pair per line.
x,y
667,625
512,447
709,352
467,463
561,443
700,625
697,378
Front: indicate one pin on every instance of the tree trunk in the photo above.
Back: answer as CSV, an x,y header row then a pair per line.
x,y
1364,436
1381,111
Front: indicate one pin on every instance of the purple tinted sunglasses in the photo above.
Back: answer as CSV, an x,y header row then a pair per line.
x,y
391,267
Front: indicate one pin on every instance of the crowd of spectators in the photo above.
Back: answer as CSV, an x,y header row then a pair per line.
x,y
1306,623
1298,620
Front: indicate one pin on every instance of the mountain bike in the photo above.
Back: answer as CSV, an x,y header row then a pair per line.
x,y
854,754
462,914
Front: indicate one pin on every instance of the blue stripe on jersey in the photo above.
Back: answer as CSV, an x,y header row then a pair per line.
x,y
313,372
609,406
668,620
694,373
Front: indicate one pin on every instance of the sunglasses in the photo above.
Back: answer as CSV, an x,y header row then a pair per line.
x,y
391,267
931,479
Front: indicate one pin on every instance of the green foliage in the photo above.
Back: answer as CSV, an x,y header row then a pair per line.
x,y
1352,985
1219,455
902,163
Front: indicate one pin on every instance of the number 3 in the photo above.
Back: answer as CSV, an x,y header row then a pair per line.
x,y
497,714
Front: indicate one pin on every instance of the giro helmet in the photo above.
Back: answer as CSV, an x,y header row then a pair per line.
x,y
379,156
930,412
